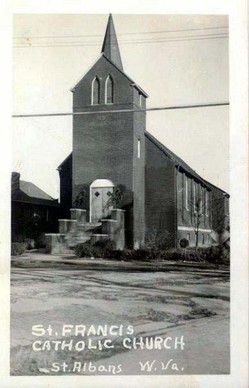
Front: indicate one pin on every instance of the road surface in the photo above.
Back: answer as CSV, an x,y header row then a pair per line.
x,y
184,315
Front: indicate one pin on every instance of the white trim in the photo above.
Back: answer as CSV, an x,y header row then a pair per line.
x,y
207,202
106,81
138,148
92,89
102,183
66,219
99,234
140,99
194,195
186,193
106,88
191,228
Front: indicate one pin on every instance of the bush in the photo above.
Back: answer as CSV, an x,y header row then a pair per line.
x,y
104,249
101,249
17,248
105,244
158,240
215,254
87,250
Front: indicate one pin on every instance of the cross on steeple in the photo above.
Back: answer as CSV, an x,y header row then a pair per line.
x,y
110,45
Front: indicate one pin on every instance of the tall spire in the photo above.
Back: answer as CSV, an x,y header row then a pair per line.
x,y
110,45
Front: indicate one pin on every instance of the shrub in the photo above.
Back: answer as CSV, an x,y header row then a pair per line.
x,y
104,249
101,249
105,244
87,250
215,254
158,240
17,248
184,243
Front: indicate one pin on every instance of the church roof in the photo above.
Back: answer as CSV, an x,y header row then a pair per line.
x,y
133,84
175,159
110,45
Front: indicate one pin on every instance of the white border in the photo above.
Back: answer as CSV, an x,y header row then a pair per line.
x,y
238,10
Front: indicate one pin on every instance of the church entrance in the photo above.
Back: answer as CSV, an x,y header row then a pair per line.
x,y
100,193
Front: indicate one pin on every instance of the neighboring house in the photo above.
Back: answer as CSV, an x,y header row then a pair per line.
x,y
111,148
33,212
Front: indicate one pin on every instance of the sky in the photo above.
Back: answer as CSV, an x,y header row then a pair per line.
x,y
176,59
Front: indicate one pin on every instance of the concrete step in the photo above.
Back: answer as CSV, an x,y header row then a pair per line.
x,y
66,251
99,237
88,227
82,240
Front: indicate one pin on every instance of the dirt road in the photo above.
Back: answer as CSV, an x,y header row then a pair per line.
x,y
192,307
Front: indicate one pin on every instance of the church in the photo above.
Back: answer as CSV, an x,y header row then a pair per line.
x,y
119,182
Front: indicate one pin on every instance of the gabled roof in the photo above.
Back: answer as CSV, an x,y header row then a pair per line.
x,y
28,192
110,45
102,55
175,159
34,191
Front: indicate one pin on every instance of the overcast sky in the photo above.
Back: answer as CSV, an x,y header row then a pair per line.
x,y
187,66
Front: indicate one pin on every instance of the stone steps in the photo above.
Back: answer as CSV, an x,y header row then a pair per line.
x,y
77,231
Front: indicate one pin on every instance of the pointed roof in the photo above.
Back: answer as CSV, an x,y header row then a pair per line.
x,y
110,45
102,55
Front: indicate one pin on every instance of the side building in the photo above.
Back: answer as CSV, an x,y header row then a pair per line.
x,y
33,212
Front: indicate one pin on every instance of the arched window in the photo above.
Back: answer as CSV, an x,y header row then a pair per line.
x,y
95,91
109,90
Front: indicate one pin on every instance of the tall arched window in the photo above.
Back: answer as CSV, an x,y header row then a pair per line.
x,y
95,91
109,90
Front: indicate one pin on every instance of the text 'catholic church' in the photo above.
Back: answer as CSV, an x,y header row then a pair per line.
x,y
119,182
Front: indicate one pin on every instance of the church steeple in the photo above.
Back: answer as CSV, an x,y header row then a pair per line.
x,y
110,45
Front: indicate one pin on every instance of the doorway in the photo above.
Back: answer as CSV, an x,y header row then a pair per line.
x,y
101,191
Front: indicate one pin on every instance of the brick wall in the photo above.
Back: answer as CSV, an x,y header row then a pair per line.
x,y
160,199
105,145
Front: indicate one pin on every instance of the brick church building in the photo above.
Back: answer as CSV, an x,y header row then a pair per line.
x,y
120,182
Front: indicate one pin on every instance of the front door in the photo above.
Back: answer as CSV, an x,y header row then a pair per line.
x,y
100,207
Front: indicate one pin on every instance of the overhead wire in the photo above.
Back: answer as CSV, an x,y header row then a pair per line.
x,y
141,41
144,41
125,33
94,112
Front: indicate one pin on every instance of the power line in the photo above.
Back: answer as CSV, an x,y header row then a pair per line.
x,y
126,33
122,110
76,44
135,40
